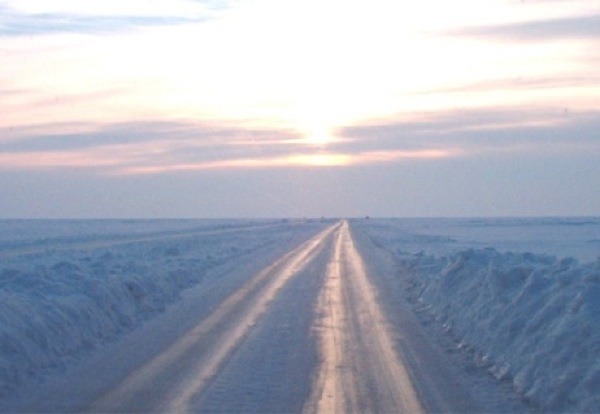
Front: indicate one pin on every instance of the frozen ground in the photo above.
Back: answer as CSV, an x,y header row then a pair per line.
x,y
522,296
256,316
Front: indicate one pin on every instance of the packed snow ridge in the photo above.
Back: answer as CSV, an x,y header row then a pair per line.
x,y
505,294
530,319
58,310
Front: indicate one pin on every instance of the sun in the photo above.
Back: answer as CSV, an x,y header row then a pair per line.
x,y
318,137
318,140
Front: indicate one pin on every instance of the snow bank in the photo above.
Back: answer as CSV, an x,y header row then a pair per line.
x,y
531,319
510,293
55,306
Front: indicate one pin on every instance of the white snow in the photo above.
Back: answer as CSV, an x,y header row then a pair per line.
x,y
528,317
70,287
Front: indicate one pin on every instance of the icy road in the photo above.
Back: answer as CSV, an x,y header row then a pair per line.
x,y
307,332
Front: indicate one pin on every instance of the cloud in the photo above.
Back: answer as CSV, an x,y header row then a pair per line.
x,y
115,7
13,24
33,17
495,131
570,27
303,160
138,148
136,144
521,83
166,147
130,133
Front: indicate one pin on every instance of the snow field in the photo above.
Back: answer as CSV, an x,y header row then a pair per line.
x,y
526,314
57,306
528,318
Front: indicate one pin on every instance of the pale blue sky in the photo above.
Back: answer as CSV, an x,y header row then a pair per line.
x,y
264,108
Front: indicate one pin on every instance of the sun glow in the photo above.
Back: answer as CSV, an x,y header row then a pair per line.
x,y
319,138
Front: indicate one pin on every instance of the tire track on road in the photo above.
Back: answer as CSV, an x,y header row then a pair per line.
x,y
360,369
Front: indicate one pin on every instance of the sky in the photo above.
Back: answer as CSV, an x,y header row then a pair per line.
x,y
286,108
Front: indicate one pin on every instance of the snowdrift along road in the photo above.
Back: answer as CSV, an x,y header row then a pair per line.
x,y
501,304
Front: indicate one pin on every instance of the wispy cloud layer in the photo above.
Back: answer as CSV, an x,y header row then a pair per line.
x,y
300,160
171,147
36,18
40,24
586,27
502,131
174,147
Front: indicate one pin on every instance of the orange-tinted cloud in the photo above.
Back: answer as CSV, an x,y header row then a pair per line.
x,y
294,161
